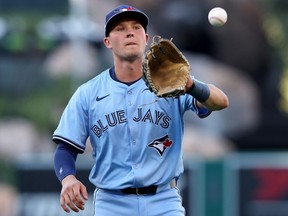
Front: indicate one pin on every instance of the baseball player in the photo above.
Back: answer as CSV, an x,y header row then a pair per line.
x,y
137,141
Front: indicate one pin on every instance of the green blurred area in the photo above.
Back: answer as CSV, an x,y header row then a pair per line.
x,y
275,25
26,90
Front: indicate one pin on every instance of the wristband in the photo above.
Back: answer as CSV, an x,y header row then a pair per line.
x,y
199,90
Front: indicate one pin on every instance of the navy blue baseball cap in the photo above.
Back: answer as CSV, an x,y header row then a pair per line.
x,y
123,12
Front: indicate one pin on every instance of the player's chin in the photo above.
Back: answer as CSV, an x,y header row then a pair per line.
x,y
132,56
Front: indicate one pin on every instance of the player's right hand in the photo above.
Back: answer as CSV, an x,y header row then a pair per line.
x,y
73,194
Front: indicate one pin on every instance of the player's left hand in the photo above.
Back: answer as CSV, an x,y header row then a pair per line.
x,y
73,194
165,68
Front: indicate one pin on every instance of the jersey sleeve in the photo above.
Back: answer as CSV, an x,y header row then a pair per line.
x,y
201,112
73,126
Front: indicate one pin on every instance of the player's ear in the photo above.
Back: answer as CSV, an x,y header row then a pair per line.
x,y
147,38
107,42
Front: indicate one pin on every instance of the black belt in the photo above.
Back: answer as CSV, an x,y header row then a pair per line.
x,y
151,190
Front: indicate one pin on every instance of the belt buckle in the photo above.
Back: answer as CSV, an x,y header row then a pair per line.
x,y
137,191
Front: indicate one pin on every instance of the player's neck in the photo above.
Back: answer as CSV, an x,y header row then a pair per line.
x,y
127,72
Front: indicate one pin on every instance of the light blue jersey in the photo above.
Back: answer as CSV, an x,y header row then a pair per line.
x,y
136,137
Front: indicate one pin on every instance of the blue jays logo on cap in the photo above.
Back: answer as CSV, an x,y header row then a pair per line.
x,y
122,12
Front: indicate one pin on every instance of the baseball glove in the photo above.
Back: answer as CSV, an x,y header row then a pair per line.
x,y
165,68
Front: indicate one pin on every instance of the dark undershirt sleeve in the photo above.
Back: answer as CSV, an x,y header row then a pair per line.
x,y
64,160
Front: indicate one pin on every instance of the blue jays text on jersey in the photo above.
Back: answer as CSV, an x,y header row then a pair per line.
x,y
118,117
136,139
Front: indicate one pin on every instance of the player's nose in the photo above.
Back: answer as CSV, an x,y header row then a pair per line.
x,y
130,34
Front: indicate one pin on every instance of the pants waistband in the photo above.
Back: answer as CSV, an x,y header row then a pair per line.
x,y
150,190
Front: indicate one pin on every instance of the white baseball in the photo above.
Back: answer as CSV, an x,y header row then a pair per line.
x,y
217,17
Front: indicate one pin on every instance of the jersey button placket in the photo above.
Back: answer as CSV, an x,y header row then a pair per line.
x,y
134,153
129,98
133,130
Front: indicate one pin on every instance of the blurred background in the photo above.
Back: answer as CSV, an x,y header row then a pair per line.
x,y
236,161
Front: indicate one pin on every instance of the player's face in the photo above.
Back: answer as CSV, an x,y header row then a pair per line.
x,y
127,39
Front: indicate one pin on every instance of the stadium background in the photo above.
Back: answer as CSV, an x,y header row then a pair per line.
x,y
236,162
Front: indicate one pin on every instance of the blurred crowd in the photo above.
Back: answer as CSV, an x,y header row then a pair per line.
x,y
235,57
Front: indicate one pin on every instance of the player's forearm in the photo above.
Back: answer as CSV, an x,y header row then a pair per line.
x,y
217,99
207,95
